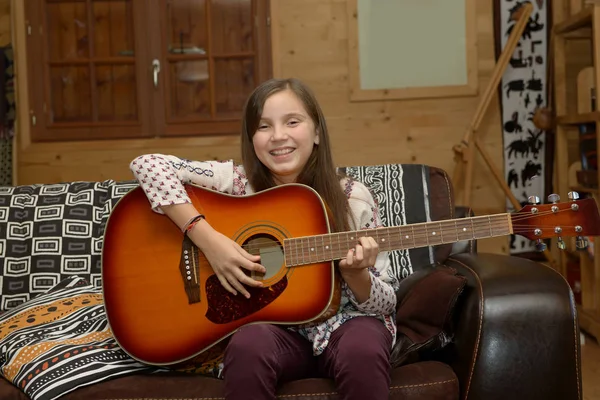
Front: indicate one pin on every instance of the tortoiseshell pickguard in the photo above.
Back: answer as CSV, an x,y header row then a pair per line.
x,y
224,307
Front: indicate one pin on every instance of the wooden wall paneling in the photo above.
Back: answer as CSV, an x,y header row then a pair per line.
x,y
312,49
5,23
309,40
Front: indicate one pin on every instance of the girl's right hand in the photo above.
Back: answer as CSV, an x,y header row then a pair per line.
x,y
227,258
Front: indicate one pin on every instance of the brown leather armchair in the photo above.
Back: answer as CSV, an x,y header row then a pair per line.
x,y
512,332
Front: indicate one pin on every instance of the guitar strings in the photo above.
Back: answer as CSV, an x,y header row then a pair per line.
x,y
396,240
421,231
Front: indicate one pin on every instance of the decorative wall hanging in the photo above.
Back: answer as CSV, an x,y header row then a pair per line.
x,y
521,92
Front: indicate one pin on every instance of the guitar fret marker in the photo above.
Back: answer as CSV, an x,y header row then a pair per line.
x,y
433,233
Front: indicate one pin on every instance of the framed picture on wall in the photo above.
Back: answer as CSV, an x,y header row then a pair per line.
x,y
412,49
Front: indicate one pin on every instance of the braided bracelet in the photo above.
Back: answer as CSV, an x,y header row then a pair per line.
x,y
190,224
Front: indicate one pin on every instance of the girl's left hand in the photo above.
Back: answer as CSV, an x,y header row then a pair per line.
x,y
362,256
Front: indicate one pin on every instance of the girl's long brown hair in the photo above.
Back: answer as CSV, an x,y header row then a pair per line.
x,y
319,171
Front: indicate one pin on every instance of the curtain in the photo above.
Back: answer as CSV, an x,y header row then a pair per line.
x,y
7,115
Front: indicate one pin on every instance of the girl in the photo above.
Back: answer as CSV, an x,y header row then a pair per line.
x,y
285,139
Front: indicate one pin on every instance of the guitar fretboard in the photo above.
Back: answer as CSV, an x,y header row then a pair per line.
x,y
335,246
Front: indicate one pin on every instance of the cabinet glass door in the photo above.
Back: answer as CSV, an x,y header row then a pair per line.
x,y
211,55
91,74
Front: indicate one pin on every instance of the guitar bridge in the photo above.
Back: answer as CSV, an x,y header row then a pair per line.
x,y
190,271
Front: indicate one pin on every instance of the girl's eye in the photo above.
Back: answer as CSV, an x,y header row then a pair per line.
x,y
262,127
293,122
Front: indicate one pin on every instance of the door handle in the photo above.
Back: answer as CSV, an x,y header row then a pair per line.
x,y
155,71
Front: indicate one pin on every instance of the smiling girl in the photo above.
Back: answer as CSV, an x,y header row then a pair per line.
x,y
285,140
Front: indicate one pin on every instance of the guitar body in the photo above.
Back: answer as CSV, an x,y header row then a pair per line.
x,y
164,303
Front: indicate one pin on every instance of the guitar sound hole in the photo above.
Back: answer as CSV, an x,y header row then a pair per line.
x,y
271,255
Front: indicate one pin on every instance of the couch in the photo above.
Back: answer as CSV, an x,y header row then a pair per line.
x,y
473,326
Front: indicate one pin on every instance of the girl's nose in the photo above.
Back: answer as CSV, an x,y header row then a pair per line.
x,y
279,133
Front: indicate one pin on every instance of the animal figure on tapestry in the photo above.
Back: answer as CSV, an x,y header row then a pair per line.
x,y
513,178
523,147
513,125
533,25
533,83
539,100
513,14
518,85
535,144
518,62
527,100
531,169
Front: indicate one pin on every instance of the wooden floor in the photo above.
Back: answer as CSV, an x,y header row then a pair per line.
x,y
590,368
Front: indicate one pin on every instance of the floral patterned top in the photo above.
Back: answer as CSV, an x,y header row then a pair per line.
x,y
162,177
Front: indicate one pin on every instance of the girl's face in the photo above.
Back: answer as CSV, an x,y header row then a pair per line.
x,y
285,136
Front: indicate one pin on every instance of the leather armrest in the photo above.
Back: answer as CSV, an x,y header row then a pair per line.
x,y
516,331
10,392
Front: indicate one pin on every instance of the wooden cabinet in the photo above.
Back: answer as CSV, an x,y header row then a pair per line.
x,y
108,69
583,26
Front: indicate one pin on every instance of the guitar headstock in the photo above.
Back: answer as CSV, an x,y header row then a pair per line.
x,y
557,220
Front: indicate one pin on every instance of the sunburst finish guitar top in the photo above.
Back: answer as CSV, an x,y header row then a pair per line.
x,y
163,300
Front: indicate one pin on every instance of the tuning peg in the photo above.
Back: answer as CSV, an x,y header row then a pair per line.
x,y
553,198
533,200
540,246
573,196
561,243
581,243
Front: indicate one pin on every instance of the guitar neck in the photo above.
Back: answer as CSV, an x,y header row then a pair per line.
x,y
335,246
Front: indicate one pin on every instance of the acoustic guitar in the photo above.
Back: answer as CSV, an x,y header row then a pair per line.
x,y
165,305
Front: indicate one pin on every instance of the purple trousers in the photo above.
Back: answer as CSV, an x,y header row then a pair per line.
x,y
357,358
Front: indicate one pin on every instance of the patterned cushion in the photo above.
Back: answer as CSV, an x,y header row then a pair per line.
x,y
50,232
62,336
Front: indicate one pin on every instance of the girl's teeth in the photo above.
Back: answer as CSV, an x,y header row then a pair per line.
x,y
281,152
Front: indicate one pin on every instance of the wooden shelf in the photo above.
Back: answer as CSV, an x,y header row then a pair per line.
x,y
576,21
578,119
573,253
589,321
584,23
584,189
